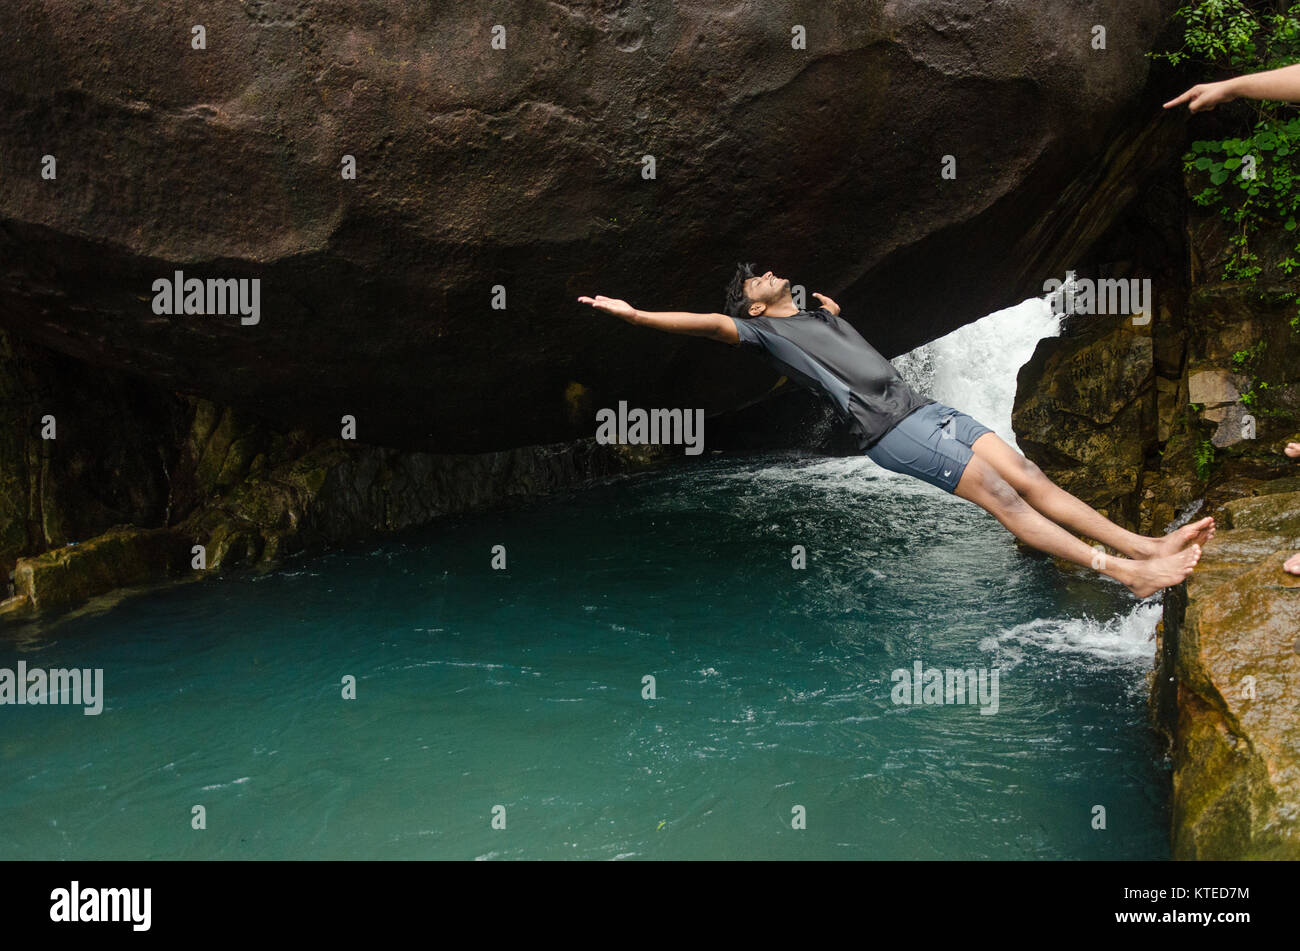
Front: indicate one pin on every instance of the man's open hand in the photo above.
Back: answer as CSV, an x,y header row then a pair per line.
x,y
829,304
1203,96
611,305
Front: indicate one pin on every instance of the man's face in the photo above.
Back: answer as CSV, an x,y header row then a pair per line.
x,y
767,288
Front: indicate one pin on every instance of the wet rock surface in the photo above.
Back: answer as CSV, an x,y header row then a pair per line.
x,y
1229,669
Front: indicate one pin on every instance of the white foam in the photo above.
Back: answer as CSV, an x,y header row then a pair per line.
x,y
233,782
1128,639
855,475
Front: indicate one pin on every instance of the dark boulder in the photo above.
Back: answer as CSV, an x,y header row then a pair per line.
x,y
522,167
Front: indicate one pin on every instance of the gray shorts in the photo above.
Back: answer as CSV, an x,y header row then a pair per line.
x,y
933,444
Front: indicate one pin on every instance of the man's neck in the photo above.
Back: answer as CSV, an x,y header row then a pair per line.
x,y
786,309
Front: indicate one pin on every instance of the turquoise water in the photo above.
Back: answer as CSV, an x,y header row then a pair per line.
x,y
523,688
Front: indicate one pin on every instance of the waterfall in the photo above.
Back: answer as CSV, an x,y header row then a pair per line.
x,y
974,368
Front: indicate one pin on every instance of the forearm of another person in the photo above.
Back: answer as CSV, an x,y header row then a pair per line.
x,y
1282,84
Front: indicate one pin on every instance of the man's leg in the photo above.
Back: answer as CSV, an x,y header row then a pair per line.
x,y
980,483
1065,509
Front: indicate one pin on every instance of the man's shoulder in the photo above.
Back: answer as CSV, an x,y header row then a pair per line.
x,y
749,330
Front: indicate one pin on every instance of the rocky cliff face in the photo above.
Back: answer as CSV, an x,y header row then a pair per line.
x,y
1188,414
81,449
499,159
1228,666
121,496
1145,418
524,171
1086,412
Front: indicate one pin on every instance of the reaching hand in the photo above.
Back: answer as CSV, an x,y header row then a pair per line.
x,y
829,304
1293,450
1203,96
611,305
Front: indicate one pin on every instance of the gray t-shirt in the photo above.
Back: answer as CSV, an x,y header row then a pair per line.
x,y
825,354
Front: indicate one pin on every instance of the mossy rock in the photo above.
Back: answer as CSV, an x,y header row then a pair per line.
x,y
1277,512
121,557
234,544
1237,738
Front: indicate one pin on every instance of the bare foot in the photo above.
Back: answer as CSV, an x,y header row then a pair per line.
x,y
1198,533
1146,577
1292,564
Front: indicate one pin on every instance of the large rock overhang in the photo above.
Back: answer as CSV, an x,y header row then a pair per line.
x,y
523,167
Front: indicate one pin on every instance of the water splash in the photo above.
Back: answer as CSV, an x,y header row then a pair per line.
x,y
1127,639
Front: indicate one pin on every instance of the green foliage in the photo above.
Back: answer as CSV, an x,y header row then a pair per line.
x,y
1243,359
1216,31
1254,178
1240,35
1204,459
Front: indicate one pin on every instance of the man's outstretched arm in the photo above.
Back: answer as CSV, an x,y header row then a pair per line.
x,y
1281,84
713,326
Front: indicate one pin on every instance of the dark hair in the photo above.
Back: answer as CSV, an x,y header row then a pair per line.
x,y
737,301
